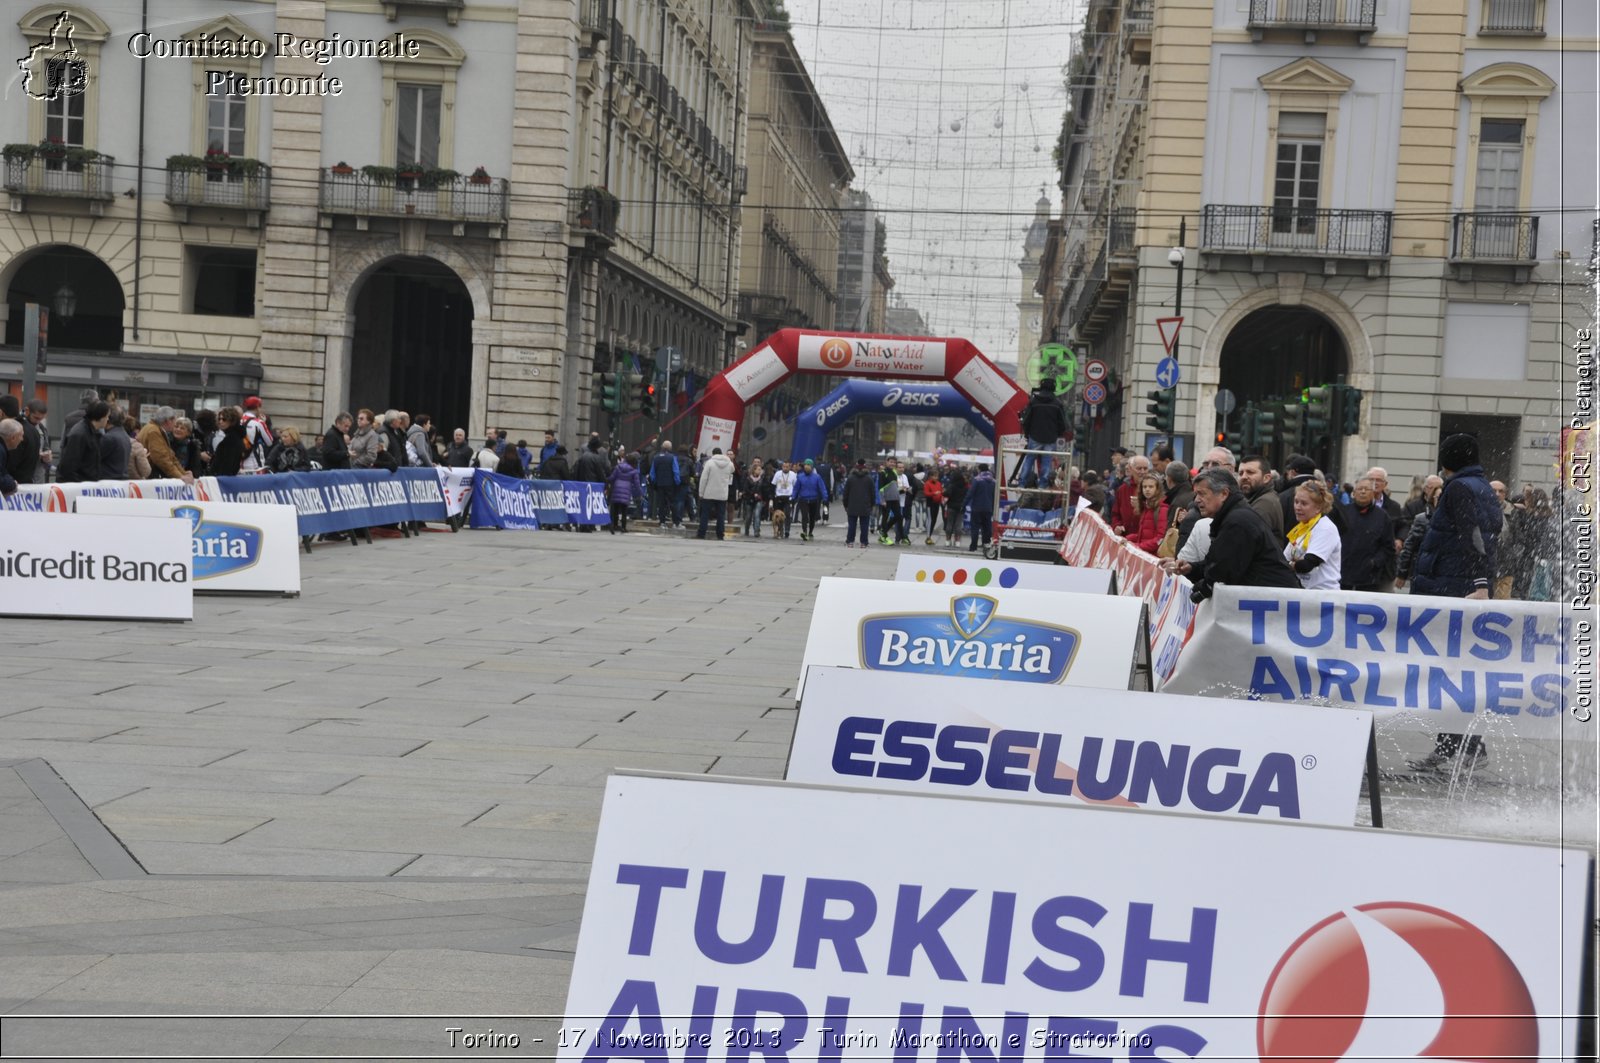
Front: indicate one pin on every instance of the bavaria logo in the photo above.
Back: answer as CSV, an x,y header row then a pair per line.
x,y
219,549
970,640
1395,980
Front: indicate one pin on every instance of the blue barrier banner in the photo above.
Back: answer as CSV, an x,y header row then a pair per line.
x,y
586,502
506,502
342,499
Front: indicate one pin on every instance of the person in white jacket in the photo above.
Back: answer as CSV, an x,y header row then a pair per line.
x,y
716,477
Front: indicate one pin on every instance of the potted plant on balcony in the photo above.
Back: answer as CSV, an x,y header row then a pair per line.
x,y
342,169
480,176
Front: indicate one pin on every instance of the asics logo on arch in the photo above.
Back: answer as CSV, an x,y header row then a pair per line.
x,y
1396,980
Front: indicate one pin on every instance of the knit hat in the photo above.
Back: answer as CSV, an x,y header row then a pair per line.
x,y
1458,451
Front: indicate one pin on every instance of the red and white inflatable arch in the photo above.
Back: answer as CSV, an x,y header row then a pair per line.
x,y
855,354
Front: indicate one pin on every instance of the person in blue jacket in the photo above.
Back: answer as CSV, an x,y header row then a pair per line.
x,y
809,494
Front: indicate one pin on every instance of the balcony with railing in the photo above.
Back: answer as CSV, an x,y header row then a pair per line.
x,y
1358,16
222,187
438,198
1513,18
1511,239
59,178
592,215
1302,231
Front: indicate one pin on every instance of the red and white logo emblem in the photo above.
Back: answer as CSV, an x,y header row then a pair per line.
x,y
1392,980
835,354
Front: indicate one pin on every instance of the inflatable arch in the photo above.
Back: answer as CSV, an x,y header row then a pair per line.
x,y
849,354
856,397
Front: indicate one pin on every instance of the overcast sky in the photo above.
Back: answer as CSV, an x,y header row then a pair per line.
x,y
948,110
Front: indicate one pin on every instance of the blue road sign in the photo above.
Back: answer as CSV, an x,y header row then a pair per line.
x,y
1167,372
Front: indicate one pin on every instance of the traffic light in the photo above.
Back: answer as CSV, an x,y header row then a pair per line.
x,y
1319,411
610,392
1294,426
1162,409
1350,413
1266,426
647,397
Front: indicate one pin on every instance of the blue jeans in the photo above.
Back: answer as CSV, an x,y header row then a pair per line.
x,y
1043,464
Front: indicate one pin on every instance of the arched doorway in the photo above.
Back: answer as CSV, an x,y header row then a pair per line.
x,y
412,345
1269,358
83,295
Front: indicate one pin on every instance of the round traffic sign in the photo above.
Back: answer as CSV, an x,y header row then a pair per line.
x,y
1095,371
1094,394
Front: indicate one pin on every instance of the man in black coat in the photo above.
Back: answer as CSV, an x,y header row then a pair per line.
x,y
336,444
80,449
1366,540
1243,551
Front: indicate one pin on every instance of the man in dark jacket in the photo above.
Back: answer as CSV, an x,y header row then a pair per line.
x,y
860,499
116,446
1458,555
336,444
1366,540
1044,421
1297,469
1243,552
80,449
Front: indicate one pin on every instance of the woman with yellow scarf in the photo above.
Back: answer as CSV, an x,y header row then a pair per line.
x,y
1314,550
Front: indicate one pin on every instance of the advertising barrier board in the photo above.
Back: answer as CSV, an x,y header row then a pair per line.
x,y
1022,575
1091,544
58,498
1047,637
336,500
78,565
943,735
824,923
1419,663
234,546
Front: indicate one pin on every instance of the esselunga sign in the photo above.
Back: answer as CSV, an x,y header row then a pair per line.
x,y
234,546
1023,636
944,735
725,919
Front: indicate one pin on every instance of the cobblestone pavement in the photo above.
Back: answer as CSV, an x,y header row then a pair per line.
x,y
376,799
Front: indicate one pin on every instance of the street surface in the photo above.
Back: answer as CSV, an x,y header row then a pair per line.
x,y
381,798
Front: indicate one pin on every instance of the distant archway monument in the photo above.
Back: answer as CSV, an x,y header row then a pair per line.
x,y
853,354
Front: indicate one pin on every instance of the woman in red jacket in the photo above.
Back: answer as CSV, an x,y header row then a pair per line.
x,y
1149,515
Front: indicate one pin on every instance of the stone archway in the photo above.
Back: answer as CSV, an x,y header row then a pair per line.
x,y
411,344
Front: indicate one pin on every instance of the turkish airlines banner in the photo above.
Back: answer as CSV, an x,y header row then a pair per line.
x,y
725,919
1419,663
922,734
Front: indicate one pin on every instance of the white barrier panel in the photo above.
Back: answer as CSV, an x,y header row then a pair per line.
x,y
1045,637
1419,663
943,735
75,565
58,498
838,924
235,546
1006,575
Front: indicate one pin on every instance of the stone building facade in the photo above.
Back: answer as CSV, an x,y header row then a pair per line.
x,y
1369,195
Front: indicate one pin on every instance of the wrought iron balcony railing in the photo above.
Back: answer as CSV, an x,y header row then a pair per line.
x,y
1296,231
1484,237
1512,16
453,199
70,179
191,188
1314,14
593,212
